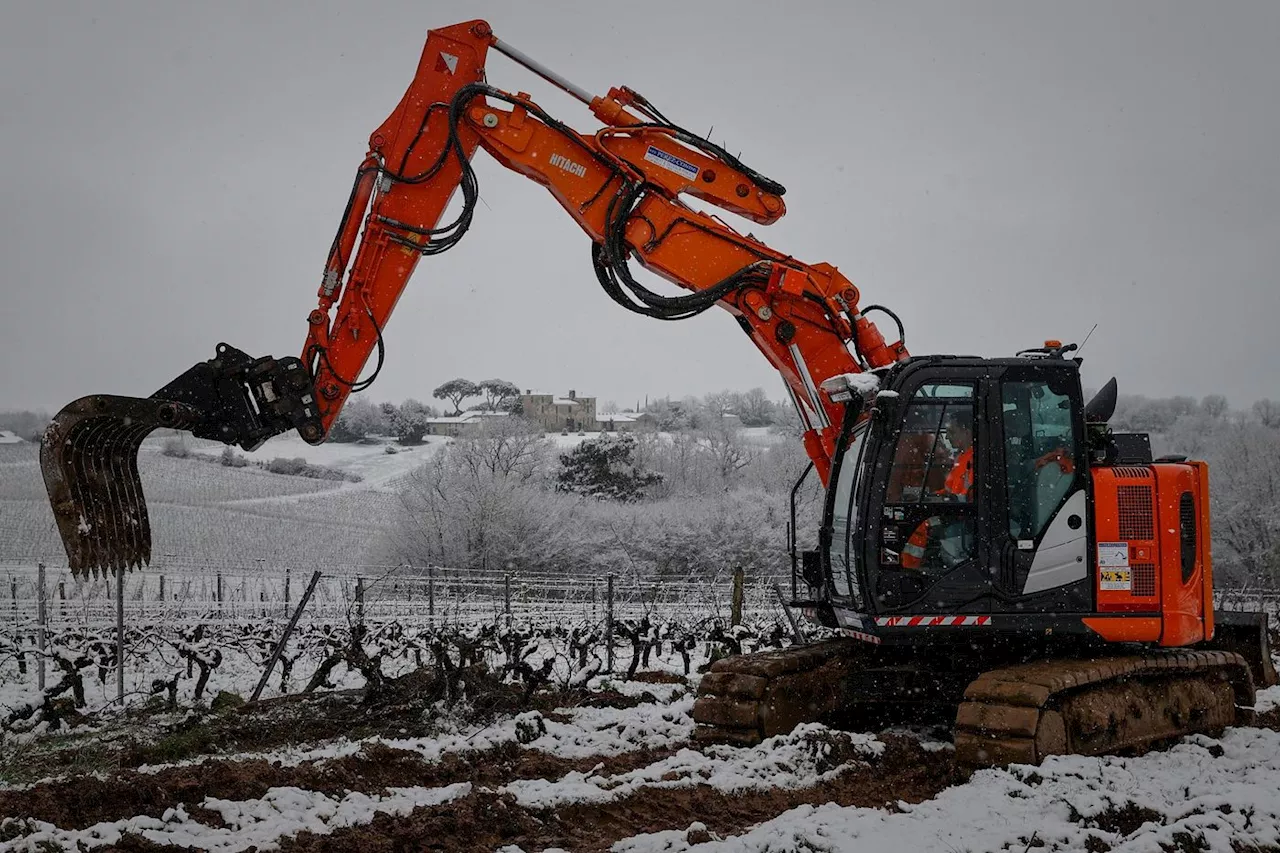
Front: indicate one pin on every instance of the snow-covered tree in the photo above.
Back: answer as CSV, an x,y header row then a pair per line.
x,y
499,394
359,419
1245,503
605,468
1268,413
409,421
755,408
1214,405
455,391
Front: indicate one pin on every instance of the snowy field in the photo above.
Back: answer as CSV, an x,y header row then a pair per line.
x,y
203,513
614,769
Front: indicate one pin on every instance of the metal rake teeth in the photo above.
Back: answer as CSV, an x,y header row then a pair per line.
x,y
89,458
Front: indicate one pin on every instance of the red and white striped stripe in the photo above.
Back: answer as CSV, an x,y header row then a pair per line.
x,y
861,635
931,621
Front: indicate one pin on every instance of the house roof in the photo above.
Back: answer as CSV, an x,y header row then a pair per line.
x,y
467,417
557,399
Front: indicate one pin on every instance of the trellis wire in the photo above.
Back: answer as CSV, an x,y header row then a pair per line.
x,y
187,595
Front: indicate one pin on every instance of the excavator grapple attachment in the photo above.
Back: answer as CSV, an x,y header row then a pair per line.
x,y
89,452
89,458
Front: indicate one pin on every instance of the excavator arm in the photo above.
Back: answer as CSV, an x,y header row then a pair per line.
x,y
624,185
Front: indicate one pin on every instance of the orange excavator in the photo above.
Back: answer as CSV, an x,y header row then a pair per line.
x,y
989,549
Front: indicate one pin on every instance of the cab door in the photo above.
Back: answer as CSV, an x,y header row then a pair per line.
x,y
925,550
1040,521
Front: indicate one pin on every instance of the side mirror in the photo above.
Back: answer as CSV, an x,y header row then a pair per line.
x,y
1103,405
886,408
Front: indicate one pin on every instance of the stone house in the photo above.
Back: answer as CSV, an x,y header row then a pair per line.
x,y
560,414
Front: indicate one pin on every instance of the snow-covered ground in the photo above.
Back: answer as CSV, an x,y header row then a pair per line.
x,y
261,823
369,461
1201,794
1217,794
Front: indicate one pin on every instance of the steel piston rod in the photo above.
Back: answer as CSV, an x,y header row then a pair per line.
x,y
543,71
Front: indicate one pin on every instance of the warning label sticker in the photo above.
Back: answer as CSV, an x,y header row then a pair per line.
x,y
1114,579
1113,555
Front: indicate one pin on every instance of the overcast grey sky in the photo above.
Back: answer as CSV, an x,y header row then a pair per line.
x,y
998,173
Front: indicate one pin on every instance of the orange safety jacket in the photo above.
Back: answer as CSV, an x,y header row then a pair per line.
x,y
958,483
913,552
960,480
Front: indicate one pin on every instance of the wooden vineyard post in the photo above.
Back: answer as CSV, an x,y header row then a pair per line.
x,y
735,613
120,635
42,639
506,597
360,601
219,593
161,598
431,596
13,594
284,638
608,623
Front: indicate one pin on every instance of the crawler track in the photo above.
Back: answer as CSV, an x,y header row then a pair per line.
x,y
745,699
1019,713
1090,707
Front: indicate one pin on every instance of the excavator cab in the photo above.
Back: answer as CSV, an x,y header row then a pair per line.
x,y
985,495
967,492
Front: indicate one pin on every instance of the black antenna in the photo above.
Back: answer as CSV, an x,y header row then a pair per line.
x,y
1086,340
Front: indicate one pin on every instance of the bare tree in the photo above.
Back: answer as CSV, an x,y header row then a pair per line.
x,y
508,447
755,408
722,442
1214,405
719,403
1268,413
1246,500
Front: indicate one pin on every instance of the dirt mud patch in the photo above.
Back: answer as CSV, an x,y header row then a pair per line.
x,y
486,820
656,677
81,802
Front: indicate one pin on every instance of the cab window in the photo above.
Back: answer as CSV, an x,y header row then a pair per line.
x,y
1040,453
929,522
933,462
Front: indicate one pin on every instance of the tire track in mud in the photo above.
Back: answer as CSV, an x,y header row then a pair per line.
x,y
81,802
486,819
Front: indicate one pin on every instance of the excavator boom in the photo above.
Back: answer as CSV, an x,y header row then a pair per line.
x,y
623,184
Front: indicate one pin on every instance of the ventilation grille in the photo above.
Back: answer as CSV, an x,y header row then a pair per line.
x,y
1187,534
1132,472
1144,580
1136,518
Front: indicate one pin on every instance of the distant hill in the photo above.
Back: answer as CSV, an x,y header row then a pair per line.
x,y
207,514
